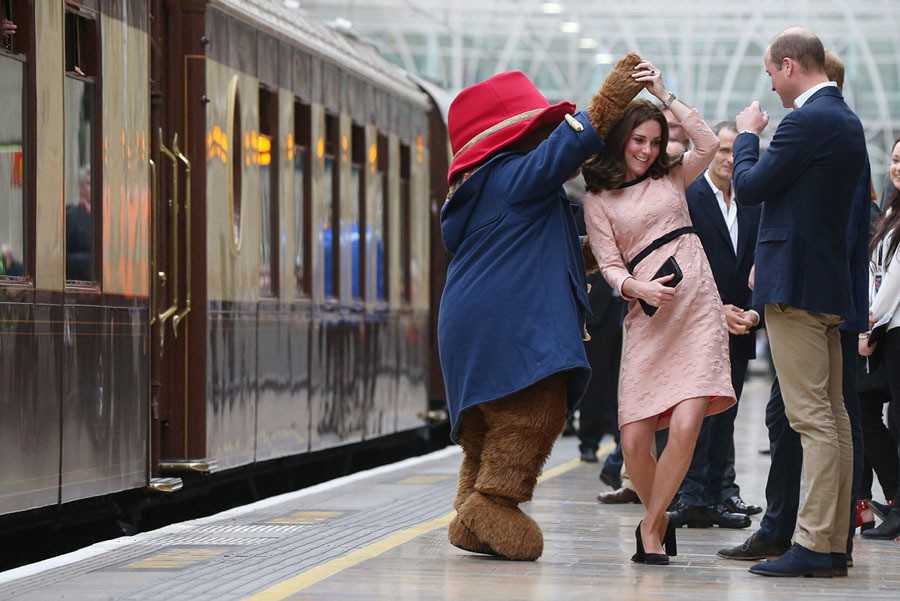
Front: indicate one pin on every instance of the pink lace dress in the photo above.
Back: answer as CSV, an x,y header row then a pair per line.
x,y
682,351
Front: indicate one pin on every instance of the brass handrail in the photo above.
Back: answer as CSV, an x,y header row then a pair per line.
x,y
173,213
153,274
187,239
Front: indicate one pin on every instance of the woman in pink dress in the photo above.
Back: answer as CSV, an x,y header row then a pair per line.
x,y
675,365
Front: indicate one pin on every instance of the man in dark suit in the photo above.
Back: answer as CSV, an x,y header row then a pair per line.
x,y
728,233
806,181
783,482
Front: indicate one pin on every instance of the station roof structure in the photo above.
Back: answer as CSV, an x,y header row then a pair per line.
x,y
710,51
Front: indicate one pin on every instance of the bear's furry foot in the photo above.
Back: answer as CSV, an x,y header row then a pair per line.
x,y
504,529
463,538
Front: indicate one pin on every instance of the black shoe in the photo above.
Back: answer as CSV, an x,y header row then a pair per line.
x,y
611,479
670,542
726,519
692,516
589,454
880,509
653,559
798,561
754,549
736,504
839,564
889,529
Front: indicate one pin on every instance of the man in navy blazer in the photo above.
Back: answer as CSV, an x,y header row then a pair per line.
x,y
708,495
806,181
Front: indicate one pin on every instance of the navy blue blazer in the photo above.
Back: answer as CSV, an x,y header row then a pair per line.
x,y
731,270
806,181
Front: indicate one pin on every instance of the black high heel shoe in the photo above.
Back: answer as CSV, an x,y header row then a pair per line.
x,y
669,541
653,559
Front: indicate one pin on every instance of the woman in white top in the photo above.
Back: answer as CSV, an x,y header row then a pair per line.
x,y
884,302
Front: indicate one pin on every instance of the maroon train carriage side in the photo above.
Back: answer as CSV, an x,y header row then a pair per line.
x,y
224,255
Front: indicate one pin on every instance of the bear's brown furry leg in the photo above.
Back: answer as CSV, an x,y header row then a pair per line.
x,y
463,538
471,439
521,431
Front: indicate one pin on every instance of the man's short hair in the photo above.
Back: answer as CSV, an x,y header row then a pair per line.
x,y
800,45
729,125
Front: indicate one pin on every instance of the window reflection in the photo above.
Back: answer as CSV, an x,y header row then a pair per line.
x,y
79,118
326,258
299,222
12,169
374,242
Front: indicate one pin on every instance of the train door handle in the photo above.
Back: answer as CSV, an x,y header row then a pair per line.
x,y
153,272
183,313
173,216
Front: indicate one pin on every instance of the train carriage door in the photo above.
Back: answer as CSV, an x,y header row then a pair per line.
x,y
181,148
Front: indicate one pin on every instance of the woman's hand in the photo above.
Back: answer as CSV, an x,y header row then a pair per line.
x,y
651,77
653,292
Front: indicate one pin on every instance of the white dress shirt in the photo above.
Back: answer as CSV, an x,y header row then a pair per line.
x,y
729,211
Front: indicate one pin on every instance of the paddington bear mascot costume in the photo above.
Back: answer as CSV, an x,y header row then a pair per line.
x,y
511,315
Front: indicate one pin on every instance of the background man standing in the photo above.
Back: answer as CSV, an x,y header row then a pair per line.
x,y
728,233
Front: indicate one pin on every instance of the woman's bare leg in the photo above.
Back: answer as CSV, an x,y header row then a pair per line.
x,y
656,482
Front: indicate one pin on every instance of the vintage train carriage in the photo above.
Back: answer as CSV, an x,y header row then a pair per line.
x,y
309,257
74,362
220,244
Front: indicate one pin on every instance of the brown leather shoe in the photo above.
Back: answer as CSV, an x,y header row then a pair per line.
x,y
618,497
755,549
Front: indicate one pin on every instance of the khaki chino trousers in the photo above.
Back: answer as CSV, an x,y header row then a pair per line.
x,y
806,350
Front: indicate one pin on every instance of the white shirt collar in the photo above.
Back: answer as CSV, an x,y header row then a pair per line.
x,y
729,212
802,98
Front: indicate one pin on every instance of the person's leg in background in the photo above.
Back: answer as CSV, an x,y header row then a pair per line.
x,y
890,527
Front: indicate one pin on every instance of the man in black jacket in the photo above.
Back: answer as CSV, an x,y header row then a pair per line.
x,y
708,495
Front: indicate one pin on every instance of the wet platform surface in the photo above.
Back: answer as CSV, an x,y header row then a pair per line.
x,y
382,535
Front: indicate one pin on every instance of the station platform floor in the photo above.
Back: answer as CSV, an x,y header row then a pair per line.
x,y
381,534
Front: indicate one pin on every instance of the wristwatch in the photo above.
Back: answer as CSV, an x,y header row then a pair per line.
x,y
668,101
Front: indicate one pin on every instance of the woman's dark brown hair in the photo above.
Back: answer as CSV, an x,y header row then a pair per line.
x,y
606,170
889,223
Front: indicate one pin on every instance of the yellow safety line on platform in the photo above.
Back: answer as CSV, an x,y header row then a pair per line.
x,y
284,589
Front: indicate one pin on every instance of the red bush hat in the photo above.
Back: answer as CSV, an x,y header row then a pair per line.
x,y
492,114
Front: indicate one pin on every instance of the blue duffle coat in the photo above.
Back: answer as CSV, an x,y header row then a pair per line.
x,y
513,306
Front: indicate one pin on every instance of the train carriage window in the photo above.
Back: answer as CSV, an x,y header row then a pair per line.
x,y
357,218
15,152
405,241
380,225
265,153
376,250
81,145
301,145
329,241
